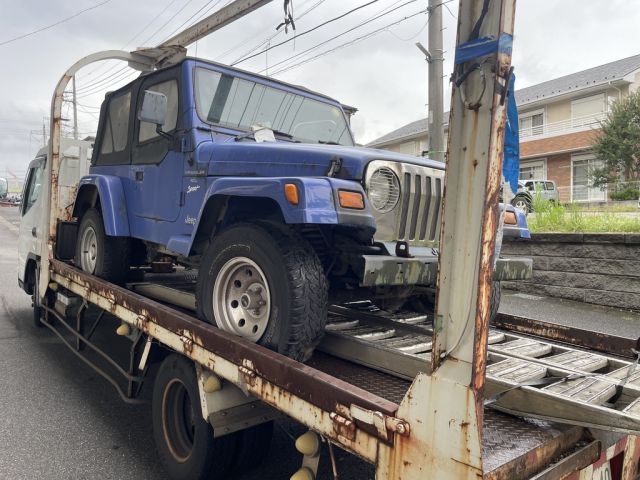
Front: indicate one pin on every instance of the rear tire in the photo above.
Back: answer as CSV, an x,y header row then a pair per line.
x,y
99,254
184,439
266,284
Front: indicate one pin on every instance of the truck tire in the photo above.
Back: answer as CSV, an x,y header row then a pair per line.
x,y
183,438
99,254
522,202
266,284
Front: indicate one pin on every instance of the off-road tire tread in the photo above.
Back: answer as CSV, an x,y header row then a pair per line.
x,y
308,284
116,250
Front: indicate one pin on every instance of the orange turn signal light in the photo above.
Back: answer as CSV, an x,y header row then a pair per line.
x,y
510,218
291,192
351,199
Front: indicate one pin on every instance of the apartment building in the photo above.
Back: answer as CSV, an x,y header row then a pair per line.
x,y
558,121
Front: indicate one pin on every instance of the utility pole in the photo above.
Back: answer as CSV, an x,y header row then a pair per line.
x,y
75,111
44,134
435,59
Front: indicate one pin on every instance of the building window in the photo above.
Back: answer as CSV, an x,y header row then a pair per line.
x,y
535,170
588,110
532,123
582,168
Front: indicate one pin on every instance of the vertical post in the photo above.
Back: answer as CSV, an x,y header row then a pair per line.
x,y
445,409
75,110
436,59
44,134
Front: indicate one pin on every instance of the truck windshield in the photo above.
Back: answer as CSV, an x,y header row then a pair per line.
x,y
237,103
3,188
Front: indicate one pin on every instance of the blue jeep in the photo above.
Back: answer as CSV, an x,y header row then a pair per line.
x,y
258,185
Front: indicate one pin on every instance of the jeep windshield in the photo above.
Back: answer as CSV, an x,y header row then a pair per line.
x,y
233,102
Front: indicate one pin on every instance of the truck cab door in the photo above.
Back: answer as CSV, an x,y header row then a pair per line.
x,y
156,169
31,228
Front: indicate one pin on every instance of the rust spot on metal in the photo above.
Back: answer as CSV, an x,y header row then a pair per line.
x,y
343,427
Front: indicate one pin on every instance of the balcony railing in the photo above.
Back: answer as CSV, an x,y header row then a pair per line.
x,y
570,125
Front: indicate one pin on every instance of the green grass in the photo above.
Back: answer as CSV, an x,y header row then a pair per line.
x,y
551,217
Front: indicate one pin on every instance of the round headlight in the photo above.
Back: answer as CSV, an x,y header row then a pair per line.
x,y
383,190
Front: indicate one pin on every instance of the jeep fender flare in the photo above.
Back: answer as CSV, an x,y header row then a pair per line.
x,y
107,191
317,200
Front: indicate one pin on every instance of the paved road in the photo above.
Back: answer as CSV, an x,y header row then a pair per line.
x,y
60,420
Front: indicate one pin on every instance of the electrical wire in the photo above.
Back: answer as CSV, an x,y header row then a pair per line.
x,y
306,32
362,24
269,38
20,37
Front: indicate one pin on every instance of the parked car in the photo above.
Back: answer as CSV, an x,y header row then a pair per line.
x,y
523,198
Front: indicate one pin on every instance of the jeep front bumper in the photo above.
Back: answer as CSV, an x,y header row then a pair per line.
x,y
390,270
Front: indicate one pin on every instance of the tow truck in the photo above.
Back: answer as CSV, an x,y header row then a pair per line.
x,y
440,394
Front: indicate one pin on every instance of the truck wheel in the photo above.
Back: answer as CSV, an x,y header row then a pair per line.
x,y
100,254
521,202
266,285
184,439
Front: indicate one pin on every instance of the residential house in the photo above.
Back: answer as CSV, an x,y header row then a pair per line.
x,y
558,121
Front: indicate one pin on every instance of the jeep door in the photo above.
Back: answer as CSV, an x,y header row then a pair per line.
x,y
156,162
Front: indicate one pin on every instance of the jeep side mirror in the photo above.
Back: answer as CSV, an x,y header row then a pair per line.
x,y
154,108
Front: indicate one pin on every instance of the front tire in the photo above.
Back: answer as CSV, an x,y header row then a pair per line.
x,y
184,439
99,254
521,202
266,284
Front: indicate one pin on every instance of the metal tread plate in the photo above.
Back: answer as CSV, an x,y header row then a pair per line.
x,y
525,347
516,371
577,359
592,390
505,437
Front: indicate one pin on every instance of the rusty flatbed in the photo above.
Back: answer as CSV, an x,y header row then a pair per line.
x,y
327,385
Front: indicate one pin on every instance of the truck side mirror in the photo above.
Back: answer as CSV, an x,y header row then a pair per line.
x,y
154,108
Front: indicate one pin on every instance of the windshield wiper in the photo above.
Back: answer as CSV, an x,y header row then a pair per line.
x,y
328,142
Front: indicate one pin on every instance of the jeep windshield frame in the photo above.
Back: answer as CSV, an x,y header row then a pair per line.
x,y
230,101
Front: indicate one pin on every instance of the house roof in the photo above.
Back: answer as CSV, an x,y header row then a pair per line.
x,y
408,130
591,77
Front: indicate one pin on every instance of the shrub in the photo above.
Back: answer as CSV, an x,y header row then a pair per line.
x,y
626,193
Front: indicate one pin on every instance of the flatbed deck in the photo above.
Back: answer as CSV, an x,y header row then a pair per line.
x,y
513,447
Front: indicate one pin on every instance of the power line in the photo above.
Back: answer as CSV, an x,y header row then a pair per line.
x,y
362,24
307,31
350,42
269,38
53,24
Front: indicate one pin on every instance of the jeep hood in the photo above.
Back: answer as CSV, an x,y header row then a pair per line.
x,y
285,159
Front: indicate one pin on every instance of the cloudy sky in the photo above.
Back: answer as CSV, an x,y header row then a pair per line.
x,y
372,64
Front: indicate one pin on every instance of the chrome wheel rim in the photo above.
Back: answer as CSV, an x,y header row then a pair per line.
x,y
522,205
242,299
89,250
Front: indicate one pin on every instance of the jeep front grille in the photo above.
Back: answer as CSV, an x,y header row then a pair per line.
x,y
416,217
420,207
